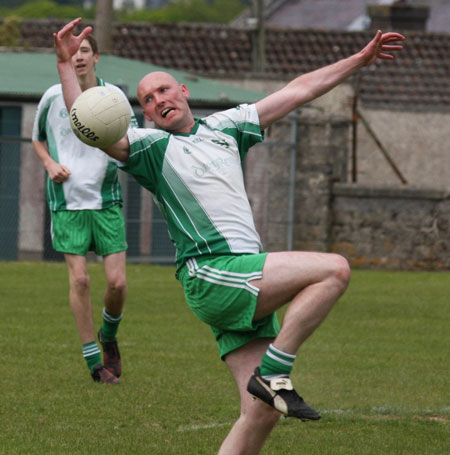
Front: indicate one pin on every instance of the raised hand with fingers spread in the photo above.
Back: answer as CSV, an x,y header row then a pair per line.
x,y
66,43
378,47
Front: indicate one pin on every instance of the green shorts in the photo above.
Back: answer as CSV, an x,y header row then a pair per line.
x,y
80,231
218,291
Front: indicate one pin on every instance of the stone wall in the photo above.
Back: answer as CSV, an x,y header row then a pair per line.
x,y
404,228
291,210
279,143
321,160
371,225
297,206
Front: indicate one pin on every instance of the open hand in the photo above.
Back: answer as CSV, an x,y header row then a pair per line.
x,y
66,43
378,47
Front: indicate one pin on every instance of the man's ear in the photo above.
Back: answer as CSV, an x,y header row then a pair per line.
x,y
185,91
147,116
96,58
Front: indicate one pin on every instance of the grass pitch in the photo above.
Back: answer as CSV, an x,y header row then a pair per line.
x,y
378,369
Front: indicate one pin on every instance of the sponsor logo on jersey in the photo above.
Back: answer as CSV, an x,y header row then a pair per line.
x,y
63,113
83,129
186,150
218,166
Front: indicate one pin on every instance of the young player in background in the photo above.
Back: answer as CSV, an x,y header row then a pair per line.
x,y
84,198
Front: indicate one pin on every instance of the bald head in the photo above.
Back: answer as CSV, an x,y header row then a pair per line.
x,y
153,79
165,102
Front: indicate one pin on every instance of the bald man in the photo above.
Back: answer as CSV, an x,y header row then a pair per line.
x,y
193,167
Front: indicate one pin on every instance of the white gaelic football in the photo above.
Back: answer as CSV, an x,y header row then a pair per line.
x,y
100,116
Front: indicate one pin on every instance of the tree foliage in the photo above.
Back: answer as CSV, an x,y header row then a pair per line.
x,y
10,32
215,11
44,9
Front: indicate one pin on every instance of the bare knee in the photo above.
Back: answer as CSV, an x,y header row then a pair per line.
x,y
81,283
269,418
262,416
118,285
340,272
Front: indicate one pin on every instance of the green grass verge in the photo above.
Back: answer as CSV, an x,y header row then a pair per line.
x,y
378,369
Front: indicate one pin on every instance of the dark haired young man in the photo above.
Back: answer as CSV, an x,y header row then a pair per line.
x,y
84,198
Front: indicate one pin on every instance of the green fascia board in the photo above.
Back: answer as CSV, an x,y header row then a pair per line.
x,y
29,74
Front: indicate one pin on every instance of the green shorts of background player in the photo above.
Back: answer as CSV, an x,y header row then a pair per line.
x,y
74,233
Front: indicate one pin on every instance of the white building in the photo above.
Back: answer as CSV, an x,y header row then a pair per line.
x,y
139,4
133,4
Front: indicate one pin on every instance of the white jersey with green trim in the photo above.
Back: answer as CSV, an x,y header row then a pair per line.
x,y
93,183
197,181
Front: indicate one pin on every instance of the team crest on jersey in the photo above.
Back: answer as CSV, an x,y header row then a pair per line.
x,y
63,113
65,131
186,150
221,142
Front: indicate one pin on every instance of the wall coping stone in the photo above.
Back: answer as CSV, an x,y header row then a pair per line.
x,y
408,192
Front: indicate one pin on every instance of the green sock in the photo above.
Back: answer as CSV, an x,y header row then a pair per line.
x,y
91,354
276,363
110,325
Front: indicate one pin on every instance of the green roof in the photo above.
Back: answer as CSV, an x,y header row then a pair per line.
x,y
29,74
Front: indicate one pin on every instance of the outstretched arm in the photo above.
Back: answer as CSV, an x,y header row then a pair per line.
x,y
67,45
309,86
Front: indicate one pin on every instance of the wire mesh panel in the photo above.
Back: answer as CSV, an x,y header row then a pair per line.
x,y
147,235
9,181
163,248
133,217
9,199
49,254
25,223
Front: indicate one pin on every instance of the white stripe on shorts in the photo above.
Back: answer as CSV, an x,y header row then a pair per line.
x,y
223,277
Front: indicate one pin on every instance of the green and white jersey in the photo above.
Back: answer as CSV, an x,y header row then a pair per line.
x,y
93,183
197,181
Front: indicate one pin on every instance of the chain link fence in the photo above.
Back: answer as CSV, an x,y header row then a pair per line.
x,y
25,223
25,237
9,197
